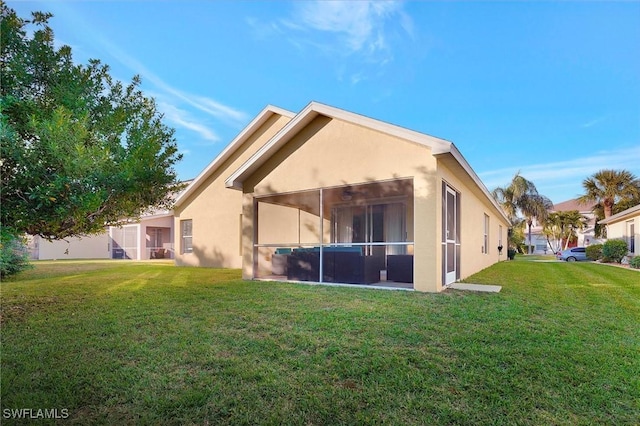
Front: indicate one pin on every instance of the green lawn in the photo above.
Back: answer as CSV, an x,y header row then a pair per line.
x,y
124,343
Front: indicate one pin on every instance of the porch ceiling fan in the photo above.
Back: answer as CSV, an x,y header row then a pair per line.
x,y
348,193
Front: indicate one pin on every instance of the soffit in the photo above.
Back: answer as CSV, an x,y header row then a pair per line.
x,y
454,160
623,215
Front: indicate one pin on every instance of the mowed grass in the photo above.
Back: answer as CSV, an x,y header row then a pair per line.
x,y
149,343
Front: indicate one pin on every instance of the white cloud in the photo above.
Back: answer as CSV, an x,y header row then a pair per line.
x,y
356,78
350,35
183,119
214,108
342,28
360,23
594,122
562,180
217,109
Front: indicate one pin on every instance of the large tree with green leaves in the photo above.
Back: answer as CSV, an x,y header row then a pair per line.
x,y
609,188
79,149
522,197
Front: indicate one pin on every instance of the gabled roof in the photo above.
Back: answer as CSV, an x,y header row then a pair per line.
x,y
574,204
314,109
241,138
625,214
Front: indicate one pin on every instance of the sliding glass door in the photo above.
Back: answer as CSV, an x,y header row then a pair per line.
x,y
373,223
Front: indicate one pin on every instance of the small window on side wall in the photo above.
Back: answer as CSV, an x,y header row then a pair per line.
x,y
186,232
485,246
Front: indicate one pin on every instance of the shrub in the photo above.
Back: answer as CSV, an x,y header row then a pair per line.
x,y
14,256
635,262
615,250
594,252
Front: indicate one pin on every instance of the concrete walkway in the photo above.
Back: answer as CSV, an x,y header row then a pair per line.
x,y
476,287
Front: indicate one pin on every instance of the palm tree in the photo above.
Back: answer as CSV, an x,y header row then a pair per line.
x,y
510,196
535,206
554,231
573,221
507,198
610,187
522,196
561,226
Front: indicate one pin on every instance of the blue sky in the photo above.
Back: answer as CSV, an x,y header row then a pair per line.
x,y
550,89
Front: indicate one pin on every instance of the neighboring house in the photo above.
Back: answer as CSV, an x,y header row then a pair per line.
x,y
330,196
151,237
585,236
88,247
208,216
626,226
536,239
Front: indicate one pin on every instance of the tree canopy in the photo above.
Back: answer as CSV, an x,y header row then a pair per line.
x,y
79,149
611,188
521,197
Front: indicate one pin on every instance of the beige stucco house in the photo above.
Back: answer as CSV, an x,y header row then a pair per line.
x,y
625,226
88,247
584,237
330,196
151,237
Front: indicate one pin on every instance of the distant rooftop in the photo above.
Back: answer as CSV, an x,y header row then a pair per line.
x,y
569,205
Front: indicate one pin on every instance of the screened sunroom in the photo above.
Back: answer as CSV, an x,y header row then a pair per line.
x,y
350,234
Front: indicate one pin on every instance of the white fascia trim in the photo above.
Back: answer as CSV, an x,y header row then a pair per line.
x,y
156,216
265,151
310,112
476,179
625,214
258,121
437,145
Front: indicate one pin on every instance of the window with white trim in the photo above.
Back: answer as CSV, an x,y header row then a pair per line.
x,y
186,232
